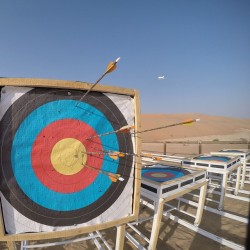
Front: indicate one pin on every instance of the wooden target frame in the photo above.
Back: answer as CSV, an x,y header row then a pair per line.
x,y
72,86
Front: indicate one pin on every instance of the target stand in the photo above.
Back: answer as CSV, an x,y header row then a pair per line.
x,y
161,184
60,176
218,169
244,158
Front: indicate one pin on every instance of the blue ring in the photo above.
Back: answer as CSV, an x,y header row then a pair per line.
x,y
176,173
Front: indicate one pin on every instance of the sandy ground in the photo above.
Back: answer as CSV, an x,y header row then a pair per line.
x,y
173,235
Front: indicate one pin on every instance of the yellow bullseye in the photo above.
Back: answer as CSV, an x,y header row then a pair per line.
x,y
68,156
158,175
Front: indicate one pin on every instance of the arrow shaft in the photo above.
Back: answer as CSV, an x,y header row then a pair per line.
x,y
106,152
91,87
167,126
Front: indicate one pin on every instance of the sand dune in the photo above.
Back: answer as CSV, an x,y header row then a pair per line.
x,y
209,127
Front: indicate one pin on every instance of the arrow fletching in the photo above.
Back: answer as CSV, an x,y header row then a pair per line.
x,y
147,155
115,177
126,129
190,121
113,155
112,66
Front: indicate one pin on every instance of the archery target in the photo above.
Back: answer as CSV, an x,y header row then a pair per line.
x,y
160,174
54,166
213,158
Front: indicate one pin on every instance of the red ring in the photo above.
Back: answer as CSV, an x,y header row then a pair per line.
x,y
41,155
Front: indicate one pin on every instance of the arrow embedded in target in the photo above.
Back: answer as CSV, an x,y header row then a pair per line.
x,y
127,129
116,154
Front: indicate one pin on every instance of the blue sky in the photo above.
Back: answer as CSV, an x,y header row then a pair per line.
x,y
201,46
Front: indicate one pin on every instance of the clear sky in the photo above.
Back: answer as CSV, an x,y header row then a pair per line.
x,y
201,46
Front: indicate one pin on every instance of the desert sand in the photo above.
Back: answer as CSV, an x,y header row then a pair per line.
x,y
209,128
173,235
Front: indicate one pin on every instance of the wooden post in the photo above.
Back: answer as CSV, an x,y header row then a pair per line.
x,y
243,178
120,236
200,208
223,190
164,148
237,184
11,245
200,148
158,209
248,145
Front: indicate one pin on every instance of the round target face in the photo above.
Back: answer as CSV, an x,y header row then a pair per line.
x,y
214,158
231,151
54,169
163,174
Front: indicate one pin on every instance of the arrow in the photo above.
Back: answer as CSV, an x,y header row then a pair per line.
x,y
115,154
112,155
124,129
157,158
111,67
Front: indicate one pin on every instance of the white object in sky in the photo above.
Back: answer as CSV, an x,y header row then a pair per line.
x,y
161,77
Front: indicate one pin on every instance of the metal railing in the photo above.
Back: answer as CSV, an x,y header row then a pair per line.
x,y
162,147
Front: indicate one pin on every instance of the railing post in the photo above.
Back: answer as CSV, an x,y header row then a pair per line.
x,y
164,148
200,147
248,145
